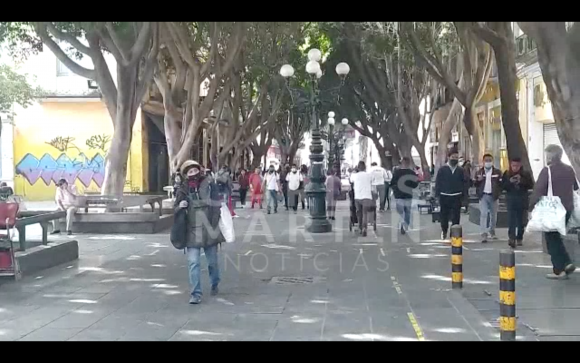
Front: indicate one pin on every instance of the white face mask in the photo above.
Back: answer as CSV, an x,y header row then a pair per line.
x,y
488,164
461,162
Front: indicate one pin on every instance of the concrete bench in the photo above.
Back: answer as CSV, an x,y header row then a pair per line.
x,y
115,204
27,218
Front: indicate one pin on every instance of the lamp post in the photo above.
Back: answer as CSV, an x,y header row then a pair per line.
x,y
334,156
316,190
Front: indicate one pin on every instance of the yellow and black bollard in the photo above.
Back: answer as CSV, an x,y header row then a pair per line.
x,y
456,256
507,295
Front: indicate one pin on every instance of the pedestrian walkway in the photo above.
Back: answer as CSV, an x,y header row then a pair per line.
x,y
280,283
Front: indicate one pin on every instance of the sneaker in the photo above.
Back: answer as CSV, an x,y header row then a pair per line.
x,y
519,242
403,230
55,232
194,300
236,216
561,276
443,235
69,233
364,232
214,290
492,237
484,238
512,243
569,269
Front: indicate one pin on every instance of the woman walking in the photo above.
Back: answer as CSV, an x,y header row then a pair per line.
x,y
255,182
305,181
199,195
332,193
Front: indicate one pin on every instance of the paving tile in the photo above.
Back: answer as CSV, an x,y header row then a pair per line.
x,y
51,334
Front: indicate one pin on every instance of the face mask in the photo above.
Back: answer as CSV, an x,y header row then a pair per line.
x,y
271,171
461,162
453,162
488,164
294,170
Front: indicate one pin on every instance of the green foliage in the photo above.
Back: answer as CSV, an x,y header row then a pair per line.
x,y
15,88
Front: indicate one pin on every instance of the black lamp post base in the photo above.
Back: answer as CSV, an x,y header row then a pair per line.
x,y
319,226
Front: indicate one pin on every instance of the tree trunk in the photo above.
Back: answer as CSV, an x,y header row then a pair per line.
x,y
445,135
118,154
172,135
116,160
476,133
506,68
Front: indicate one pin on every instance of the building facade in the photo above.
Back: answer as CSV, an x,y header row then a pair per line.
x,y
64,135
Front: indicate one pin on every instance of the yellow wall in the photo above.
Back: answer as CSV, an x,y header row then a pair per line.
x,y
69,140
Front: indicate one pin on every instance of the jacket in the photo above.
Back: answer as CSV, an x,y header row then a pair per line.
x,y
203,212
496,184
450,183
563,184
403,183
244,181
517,194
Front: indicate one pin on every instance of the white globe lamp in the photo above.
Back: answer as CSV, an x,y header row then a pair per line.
x,y
344,121
313,67
287,71
342,69
331,114
314,55
331,121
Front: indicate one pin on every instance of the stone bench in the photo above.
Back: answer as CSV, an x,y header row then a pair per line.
x,y
27,218
121,222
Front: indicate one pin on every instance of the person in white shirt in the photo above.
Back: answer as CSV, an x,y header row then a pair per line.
x,y
363,196
272,187
65,200
380,178
294,178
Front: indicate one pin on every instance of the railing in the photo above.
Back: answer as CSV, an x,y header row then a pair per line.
x,y
525,49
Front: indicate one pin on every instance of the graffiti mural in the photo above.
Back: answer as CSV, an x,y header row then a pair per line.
x,y
48,169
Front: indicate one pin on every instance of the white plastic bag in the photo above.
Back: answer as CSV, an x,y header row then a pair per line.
x,y
549,215
226,224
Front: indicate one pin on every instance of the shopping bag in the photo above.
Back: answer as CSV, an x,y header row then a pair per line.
x,y
549,215
178,236
226,224
574,221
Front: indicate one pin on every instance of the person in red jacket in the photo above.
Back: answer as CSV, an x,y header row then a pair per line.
x,y
255,183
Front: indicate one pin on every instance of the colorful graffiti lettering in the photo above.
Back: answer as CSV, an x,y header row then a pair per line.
x,y
49,169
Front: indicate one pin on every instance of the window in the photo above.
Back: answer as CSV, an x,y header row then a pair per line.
x,y
62,70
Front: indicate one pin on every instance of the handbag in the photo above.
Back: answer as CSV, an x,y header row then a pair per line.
x,y
178,236
226,224
549,214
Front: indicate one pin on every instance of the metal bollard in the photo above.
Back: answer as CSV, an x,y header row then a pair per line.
x,y
456,256
507,295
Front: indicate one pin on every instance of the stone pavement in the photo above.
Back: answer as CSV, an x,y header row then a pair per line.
x,y
279,283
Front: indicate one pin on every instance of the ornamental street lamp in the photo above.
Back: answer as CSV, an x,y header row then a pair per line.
x,y
316,190
334,154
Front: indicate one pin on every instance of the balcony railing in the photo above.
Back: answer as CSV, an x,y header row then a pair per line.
x,y
525,50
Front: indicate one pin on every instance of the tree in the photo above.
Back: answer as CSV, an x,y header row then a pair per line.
x,y
15,88
500,37
194,54
435,43
134,47
559,60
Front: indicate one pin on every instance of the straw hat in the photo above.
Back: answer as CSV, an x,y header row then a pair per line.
x,y
188,164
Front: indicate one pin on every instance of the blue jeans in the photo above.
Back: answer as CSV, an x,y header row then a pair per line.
x,y
194,261
272,200
488,206
404,210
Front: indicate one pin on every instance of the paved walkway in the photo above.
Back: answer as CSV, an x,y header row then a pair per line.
x,y
279,283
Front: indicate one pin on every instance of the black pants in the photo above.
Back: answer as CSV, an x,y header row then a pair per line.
x,y
450,210
387,198
293,199
285,192
516,222
364,212
557,250
243,193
